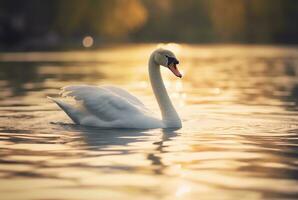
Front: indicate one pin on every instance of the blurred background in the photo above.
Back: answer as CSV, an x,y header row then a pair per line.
x,y
56,24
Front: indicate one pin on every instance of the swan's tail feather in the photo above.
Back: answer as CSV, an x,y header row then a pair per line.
x,y
72,112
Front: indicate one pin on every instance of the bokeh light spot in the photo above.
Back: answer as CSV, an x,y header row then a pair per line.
x,y
87,41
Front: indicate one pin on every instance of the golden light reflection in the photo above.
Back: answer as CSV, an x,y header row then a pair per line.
x,y
182,190
143,84
178,86
216,90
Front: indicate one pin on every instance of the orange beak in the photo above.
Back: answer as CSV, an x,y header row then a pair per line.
x,y
175,70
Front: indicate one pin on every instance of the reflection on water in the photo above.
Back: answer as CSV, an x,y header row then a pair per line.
x,y
239,106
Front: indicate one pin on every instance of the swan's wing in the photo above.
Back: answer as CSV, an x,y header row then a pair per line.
x,y
101,102
124,94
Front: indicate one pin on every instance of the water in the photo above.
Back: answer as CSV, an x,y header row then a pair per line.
x,y
239,106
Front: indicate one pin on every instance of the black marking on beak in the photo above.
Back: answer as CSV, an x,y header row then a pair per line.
x,y
172,60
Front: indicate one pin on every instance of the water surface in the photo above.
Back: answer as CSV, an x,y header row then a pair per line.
x,y
239,106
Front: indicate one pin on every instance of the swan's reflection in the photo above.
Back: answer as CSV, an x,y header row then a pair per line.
x,y
102,138
99,138
120,139
156,156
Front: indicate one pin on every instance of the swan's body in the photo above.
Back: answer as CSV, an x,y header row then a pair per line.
x,y
113,107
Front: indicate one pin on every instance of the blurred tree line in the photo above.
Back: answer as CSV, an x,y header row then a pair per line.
x,y
55,23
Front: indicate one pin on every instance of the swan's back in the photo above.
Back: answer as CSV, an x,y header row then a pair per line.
x,y
120,92
106,106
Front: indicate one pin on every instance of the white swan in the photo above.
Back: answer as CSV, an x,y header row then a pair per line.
x,y
113,107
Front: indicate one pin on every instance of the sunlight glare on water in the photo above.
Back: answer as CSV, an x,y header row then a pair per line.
x,y
239,138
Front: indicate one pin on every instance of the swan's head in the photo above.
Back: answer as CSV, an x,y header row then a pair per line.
x,y
167,59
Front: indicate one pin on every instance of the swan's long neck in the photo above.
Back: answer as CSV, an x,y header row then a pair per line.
x,y
168,112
